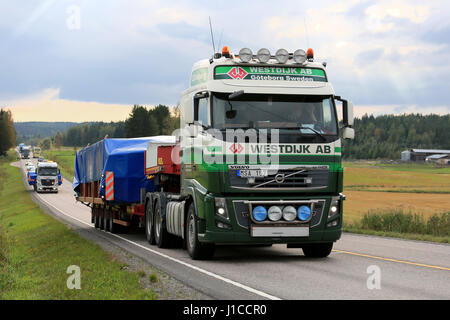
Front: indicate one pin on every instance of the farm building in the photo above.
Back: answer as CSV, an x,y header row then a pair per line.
x,y
420,155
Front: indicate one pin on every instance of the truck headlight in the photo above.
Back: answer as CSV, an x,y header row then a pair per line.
x,y
259,213
221,208
334,207
304,213
289,213
274,213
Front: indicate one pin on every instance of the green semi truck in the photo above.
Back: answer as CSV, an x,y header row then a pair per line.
x,y
257,160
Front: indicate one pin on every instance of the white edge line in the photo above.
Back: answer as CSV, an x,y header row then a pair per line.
x,y
237,284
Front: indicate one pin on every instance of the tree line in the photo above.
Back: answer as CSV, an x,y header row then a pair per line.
x,y
386,136
7,132
141,122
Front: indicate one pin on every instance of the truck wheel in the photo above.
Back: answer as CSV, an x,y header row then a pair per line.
x,y
149,228
106,217
101,214
320,250
196,250
162,237
113,228
96,217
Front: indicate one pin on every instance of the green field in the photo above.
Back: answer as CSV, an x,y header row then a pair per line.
x,y
65,158
36,250
381,190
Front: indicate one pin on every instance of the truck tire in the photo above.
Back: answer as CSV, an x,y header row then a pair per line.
x,y
319,250
162,237
101,213
149,228
106,213
113,228
196,250
96,217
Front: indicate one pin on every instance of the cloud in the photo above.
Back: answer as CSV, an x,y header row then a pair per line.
x,y
47,106
378,52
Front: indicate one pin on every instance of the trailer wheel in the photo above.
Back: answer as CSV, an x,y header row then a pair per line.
x,y
106,217
113,228
149,228
319,250
162,237
196,250
101,214
96,217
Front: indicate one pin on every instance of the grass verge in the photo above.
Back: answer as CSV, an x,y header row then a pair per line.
x,y
36,251
398,224
65,158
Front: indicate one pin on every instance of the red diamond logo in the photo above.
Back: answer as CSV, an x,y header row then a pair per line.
x,y
236,148
237,73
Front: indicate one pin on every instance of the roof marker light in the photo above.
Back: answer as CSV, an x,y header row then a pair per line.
x,y
282,55
226,52
299,56
245,54
263,55
310,54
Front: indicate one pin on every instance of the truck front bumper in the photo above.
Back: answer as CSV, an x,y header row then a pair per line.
x,y
237,227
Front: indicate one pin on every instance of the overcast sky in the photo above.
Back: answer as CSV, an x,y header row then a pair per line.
x,y
91,60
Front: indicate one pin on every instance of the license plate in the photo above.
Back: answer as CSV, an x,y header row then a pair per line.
x,y
252,173
280,231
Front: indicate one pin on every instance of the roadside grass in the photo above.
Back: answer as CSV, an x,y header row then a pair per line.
x,y
428,179
36,250
400,224
65,157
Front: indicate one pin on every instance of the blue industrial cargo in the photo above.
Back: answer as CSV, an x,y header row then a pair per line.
x,y
125,158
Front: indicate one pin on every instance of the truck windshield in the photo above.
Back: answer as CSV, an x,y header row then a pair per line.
x,y
48,171
284,112
291,114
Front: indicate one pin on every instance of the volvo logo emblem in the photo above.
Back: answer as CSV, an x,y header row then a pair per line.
x,y
279,178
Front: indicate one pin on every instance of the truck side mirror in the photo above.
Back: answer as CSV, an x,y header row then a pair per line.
x,y
348,133
348,113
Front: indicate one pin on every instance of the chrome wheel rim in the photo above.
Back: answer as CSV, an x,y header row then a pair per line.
x,y
157,224
191,232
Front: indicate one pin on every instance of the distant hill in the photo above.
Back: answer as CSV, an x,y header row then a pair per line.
x,y
27,130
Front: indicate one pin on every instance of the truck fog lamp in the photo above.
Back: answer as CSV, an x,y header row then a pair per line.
x,y
245,54
259,213
275,213
299,56
282,55
263,55
304,213
289,213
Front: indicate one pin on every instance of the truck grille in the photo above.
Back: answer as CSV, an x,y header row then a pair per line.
x,y
301,178
47,182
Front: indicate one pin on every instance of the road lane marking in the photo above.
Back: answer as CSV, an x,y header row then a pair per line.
x,y
391,260
211,274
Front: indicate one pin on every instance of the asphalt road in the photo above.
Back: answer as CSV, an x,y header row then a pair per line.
x,y
360,267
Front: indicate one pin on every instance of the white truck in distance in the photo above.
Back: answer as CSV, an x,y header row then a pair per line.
x,y
47,177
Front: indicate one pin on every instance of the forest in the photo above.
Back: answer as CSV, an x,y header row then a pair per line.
x,y
141,122
7,132
386,136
